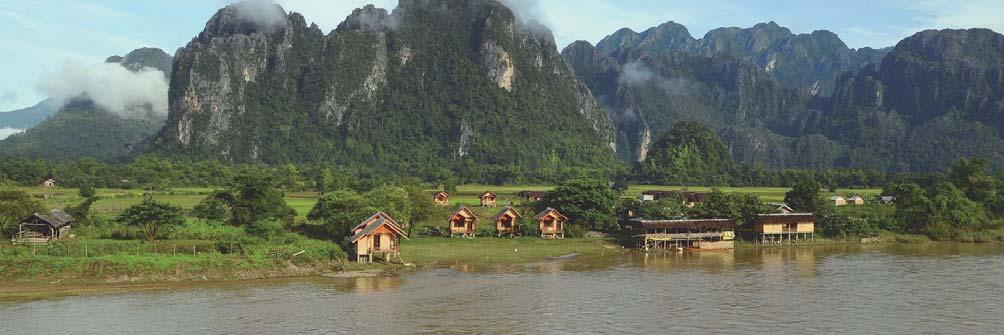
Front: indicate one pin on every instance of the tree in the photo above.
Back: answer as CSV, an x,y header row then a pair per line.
x,y
741,207
256,200
804,195
212,208
86,190
586,201
81,212
968,175
152,217
450,185
339,211
14,206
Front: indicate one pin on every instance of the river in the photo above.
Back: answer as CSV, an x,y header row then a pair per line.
x,y
922,289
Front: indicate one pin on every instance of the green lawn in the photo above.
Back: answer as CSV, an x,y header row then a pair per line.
x,y
486,250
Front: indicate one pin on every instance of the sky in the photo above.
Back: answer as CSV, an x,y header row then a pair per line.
x,y
41,36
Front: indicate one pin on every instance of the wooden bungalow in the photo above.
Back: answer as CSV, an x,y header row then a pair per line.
x,y
856,200
377,235
49,183
838,201
463,222
704,234
531,196
691,199
488,199
441,198
790,228
552,223
42,228
507,222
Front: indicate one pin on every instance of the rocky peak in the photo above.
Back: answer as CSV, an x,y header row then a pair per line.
x,y
246,18
369,19
954,45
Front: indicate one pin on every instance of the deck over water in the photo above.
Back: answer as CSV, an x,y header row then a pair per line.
x,y
941,289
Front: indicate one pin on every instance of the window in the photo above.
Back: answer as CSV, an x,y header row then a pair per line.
x,y
376,241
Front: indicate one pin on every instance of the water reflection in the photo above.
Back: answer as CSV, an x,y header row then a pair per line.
x,y
931,288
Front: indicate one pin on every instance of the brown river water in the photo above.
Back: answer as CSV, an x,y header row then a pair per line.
x,y
914,289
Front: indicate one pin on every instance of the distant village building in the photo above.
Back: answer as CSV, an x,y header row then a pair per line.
x,y
552,223
691,199
781,207
49,183
507,222
463,222
441,198
838,201
706,234
856,200
886,200
488,199
377,235
532,196
654,195
42,228
790,228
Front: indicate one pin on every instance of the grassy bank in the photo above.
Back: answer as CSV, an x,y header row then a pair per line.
x,y
427,250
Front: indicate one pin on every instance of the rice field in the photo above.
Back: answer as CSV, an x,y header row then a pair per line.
x,y
114,201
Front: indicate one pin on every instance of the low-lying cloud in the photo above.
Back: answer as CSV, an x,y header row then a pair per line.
x,y
262,12
638,74
110,86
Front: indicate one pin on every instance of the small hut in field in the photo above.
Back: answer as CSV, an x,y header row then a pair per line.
x,y
856,200
42,228
488,199
531,196
790,228
441,198
49,183
377,235
463,222
507,222
838,201
552,223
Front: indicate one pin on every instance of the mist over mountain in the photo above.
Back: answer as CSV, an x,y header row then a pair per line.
x,y
432,87
435,88
100,110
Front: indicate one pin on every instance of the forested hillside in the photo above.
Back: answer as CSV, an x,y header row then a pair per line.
x,y
935,98
434,88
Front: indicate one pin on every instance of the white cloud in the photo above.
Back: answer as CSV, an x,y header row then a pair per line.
x,y
111,86
5,132
328,14
939,14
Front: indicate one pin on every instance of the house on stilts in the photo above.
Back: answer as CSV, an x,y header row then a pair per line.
x,y
789,228
552,223
441,198
463,223
507,222
378,235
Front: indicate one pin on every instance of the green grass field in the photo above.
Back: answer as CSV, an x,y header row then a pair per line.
x,y
114,201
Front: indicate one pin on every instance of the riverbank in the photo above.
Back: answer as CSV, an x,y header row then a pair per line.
x,y
37,276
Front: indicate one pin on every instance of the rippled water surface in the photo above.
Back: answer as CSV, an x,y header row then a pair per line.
x,y
943,289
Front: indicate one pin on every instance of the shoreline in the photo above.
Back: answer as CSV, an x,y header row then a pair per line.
x,y
33,289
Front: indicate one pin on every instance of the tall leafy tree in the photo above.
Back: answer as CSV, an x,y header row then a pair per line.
x,y
586,201
256,199
339,211
152,216
14,206
804,195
